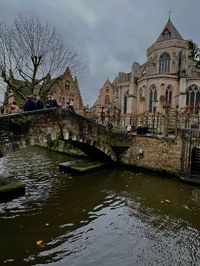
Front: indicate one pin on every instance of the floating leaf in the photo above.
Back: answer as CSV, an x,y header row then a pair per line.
x,y
166,200
39,242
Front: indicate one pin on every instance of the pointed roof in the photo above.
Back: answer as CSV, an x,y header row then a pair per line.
x,y
169,32
109,83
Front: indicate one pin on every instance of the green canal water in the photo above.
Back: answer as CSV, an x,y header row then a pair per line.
x,y
112,217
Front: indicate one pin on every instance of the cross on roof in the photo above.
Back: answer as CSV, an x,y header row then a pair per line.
x,y
170,12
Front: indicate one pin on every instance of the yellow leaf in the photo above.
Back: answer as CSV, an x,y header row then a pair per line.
x,y
39,242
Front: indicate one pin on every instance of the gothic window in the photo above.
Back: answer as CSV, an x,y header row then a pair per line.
x,y
126,102
107,100
193,99
164,63
168,96
67,85
152,99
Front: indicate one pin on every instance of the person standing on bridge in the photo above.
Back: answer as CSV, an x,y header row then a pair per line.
x,y
129,129
14,108
39,103
52,103
30,104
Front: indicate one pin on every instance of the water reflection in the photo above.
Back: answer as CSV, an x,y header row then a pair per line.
x,y
111,217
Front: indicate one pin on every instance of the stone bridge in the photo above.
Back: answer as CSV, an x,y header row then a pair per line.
x,y
42,127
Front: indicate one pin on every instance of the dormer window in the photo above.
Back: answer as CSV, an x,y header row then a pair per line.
x,y
169,32
166,33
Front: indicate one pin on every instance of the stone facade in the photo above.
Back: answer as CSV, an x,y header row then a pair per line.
x,y
169,79
53,127
159,154
45,126
106,107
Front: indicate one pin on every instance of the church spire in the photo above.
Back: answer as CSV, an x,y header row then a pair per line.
x,y
169,32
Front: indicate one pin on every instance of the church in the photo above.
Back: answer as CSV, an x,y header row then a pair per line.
x,y
169,79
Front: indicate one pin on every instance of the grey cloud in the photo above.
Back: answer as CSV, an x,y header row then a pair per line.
x,y
109,34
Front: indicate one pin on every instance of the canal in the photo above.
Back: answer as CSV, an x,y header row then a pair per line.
x,y
114,216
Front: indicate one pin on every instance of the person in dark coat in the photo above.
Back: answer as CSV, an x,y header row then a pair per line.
x,y
39,103
142,130
51,103
30,104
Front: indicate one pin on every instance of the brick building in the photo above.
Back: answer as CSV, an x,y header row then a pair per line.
x,y
64,89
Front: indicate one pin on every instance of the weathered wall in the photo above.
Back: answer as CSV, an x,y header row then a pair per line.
x,y
154,153
63,147
27,129
44,126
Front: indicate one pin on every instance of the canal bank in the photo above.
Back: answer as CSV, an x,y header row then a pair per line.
x,y
178,155
160,154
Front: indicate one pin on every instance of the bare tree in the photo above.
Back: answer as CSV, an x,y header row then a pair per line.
x,y
194,52
32,52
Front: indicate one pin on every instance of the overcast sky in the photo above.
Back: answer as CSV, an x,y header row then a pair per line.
x,y
109,34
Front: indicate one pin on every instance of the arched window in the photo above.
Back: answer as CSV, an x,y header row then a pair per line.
x,y
168,96
193,99
166,34
126,102
164,63
107,99
67,85
152,99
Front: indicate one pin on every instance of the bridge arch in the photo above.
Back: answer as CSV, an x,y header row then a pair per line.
x,y
41,126
93,149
